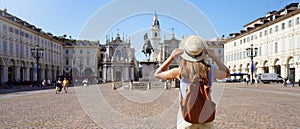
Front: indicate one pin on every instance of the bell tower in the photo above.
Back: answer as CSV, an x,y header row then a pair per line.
x,y
155,35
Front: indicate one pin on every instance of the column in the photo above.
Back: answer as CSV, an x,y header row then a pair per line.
x,y
126,74
297,72
283,70
17,76
1,74
5,74
132,73
27,74
271,69
50,73
53,74
104,73
42,74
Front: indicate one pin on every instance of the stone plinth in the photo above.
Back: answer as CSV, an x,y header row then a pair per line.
x,y
148,67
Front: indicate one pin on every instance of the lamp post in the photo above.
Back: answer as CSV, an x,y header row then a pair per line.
x,y
251,52
37,52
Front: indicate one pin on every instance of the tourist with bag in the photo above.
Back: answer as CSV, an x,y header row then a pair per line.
x,y
196,109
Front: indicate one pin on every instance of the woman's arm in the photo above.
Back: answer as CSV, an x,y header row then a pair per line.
x,y
161,72
222,71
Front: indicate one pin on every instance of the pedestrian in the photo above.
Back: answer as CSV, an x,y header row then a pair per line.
x,y
49,83
193,69
65,85
44,83
58,86
285,82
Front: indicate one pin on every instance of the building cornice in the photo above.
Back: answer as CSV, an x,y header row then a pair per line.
x,y
262,26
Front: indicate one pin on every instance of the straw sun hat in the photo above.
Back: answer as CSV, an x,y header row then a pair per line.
x,y
194,48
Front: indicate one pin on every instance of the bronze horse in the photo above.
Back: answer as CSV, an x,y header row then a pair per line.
x,y
147,48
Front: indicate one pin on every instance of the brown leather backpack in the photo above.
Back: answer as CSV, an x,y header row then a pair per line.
x,y
197,106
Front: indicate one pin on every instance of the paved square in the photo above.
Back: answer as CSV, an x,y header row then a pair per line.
x,y
241,106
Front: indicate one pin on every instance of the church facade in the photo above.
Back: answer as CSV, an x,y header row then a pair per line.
x,y
119,62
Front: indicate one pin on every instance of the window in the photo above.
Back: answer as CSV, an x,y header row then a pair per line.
x,y
27,51
241,41
234,44
49,57
276,47
16,31
270,31
67,61
4,46
276,28
17,49
67,52
266,32
297,20
27,35
290,23
282,26
11,48
87,52
22,50
46,56
11,29
81,51
260,34
155,34
87,61
4,27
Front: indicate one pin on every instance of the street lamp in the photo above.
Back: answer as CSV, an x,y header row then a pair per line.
x,y
37,53
251,52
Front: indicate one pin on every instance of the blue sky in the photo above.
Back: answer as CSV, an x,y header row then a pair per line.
x,y
134,17
70,16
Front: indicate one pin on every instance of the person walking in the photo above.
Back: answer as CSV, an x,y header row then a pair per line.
x,y
193,50
65,85
58,85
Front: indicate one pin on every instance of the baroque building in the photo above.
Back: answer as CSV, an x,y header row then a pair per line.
x,y
17,38
119,63
277,39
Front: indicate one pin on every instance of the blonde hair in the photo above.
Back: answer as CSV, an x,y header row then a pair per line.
x,y
188,69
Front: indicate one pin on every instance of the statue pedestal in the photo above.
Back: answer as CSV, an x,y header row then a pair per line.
x,y
148,67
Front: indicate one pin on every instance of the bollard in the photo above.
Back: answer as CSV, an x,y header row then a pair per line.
x,y
166,85
149,86
131,85
113,86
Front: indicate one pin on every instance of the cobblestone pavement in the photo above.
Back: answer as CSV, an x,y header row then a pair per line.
x,y
241,106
